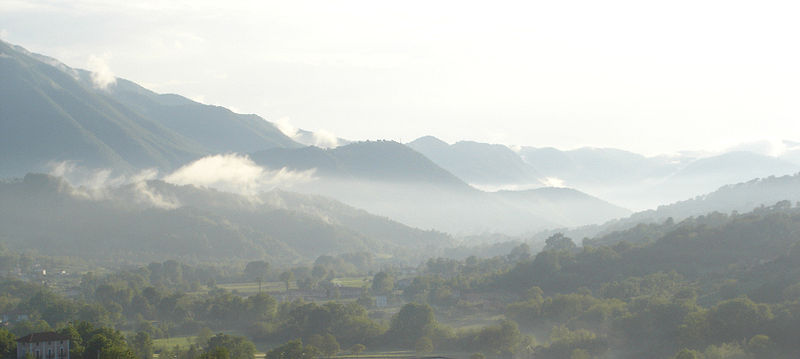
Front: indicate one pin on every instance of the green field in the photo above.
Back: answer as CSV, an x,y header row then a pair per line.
x,y
169,343
249,288
375,355
356,282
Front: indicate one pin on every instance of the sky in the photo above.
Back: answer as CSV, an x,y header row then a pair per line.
x,y
650,77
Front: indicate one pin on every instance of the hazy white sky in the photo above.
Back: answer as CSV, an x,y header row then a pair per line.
x,y
646,76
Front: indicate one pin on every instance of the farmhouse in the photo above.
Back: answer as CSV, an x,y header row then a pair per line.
x,y
45,345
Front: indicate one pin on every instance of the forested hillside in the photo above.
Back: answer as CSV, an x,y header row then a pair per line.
x,y
154,220
712,286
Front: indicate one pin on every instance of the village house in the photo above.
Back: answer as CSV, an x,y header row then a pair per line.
x,y
45,345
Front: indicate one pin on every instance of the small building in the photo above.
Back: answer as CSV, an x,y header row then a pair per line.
x,y
45,345
381,301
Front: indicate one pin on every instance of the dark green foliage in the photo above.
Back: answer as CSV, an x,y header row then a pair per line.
x,y
357,349
735,319
293,349
565,342
382,283
688,354
327,344
216,353
8,344
496,339
558,242
412,322
237,347
142,345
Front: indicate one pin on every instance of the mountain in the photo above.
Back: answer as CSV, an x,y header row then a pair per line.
x,y
216,128
155,220
384,161
477,163
51,113
734,167
393,180
640,182
769,192
741,197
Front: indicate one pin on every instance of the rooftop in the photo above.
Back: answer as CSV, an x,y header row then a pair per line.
x,y
42,337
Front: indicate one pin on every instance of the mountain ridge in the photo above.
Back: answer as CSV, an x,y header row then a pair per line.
x,y
50,113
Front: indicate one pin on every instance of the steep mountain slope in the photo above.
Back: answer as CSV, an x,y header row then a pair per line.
x,y
216,128
154,220
478,163
50,112
46,114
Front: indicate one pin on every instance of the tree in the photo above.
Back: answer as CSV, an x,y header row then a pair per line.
x,y
292,350
329,345
382,283
411,322
237,346
326,344
257,270
760,346
357,349
107,343
142,345
287,277
203,336
8,344
687,354
95,346
738,318
423,345
559,242
520,252
75,340
216,353
501,338
318,272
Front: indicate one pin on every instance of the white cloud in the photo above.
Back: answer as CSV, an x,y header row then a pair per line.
x,y
99,184
507,187
145,175
553,182
3,34
102,77
236,173
148,196
286,127
325,139
60,169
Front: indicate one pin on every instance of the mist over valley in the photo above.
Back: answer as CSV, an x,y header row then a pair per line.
x,y
140,223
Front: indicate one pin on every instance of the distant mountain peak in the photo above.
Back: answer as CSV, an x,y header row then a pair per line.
x,y
428,141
